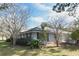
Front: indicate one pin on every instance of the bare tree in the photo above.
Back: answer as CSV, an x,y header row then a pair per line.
x,y
14,21
3,6
74,25
57,24
1,28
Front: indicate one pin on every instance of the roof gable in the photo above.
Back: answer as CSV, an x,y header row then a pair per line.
x,y
35,29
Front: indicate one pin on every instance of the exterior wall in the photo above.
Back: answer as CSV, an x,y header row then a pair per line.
x,y
34,35
50,37
64,37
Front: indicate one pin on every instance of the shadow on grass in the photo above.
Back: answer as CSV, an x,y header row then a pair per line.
x,y
54,51
3,44
31,52
7,50
71,47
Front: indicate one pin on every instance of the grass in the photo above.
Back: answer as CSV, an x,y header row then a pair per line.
x,y
7,50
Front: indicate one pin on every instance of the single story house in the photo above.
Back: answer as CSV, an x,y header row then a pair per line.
x,y
34,33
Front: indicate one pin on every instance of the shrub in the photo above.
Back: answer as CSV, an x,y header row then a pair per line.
x,y
75,35
9,40
35,43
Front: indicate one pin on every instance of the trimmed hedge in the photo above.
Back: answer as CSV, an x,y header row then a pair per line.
x,y
23,41
9,39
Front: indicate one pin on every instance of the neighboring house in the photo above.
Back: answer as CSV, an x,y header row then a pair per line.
x,y
35,32
2,36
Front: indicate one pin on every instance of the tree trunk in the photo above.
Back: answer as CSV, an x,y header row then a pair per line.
x,y
56,39
14,40
57,43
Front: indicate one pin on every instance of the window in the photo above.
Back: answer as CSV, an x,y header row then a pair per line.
x,y
22,36
38,35
28,35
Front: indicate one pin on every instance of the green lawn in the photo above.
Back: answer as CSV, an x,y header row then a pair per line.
x,y
7,50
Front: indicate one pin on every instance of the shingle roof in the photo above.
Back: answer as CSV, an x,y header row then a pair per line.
x,y
35,29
